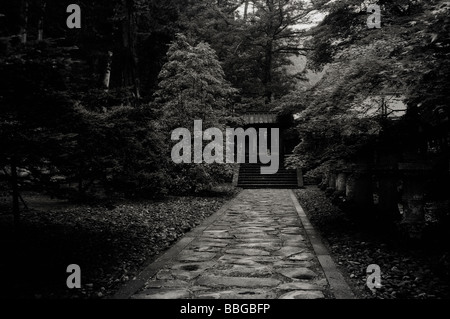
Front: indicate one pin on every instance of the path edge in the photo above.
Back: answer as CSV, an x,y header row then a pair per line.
x,y
338,285
130,288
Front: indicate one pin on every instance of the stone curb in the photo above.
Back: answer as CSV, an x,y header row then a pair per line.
x,y
338,285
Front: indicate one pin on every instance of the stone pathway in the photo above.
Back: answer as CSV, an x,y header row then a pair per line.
x,y
256,247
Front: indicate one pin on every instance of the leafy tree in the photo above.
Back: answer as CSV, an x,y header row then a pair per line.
x,y
344,118
361,63
120,150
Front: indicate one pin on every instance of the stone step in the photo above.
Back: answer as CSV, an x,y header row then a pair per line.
x,y
268,175
268,186
258,172
269,182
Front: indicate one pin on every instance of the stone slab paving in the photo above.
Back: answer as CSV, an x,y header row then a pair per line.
x,y
256,247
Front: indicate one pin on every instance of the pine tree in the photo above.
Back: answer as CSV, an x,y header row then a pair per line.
x,y
193,86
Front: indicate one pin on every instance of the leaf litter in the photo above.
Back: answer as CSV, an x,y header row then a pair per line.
x,y
110,244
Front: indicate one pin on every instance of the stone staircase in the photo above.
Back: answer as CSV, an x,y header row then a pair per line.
x,y
250,177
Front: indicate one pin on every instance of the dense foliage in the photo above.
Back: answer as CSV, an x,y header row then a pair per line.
x,y
372,77
192,87
88,112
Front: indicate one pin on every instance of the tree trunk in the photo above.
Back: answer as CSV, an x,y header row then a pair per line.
x,y
15,192
80,178
268,73
80,186
129,58
23,21
341,183
267,76
107,77
246,10
43,5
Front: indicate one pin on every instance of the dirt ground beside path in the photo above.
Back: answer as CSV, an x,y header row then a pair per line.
x,y
111,243
408,272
